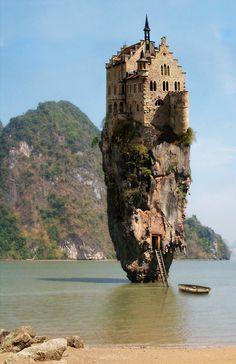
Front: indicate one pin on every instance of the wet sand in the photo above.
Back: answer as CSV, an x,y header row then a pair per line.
x,y
143,354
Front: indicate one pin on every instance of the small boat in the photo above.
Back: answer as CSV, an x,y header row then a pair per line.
x,y
192,288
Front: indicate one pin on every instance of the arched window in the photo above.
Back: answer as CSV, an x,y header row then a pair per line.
x,y
121,107
161,70
163,85
154,86
115,108
168,70
114,89
137,107
176,86
159,102
110,108
123,89
165,72
167,86
151,86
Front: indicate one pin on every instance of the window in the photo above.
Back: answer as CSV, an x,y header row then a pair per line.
x,y
109,90
139,87
167,86
121,107
163,85
162,70
168,70
159,102
151,86
154,86
137,107
115,107
176,86
110,108
122,89
114,90
165,72
135,87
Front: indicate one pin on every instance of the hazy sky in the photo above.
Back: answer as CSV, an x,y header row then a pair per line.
x,y
57,49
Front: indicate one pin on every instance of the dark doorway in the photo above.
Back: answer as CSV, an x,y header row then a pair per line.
x,y
156,242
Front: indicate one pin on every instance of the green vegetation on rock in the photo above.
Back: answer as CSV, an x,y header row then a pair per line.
x,y
51,177
203,242
12,244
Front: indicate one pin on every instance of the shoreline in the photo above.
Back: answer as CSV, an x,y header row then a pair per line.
x,y
139,354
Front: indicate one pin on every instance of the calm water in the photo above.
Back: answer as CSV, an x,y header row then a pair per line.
x,y
96,301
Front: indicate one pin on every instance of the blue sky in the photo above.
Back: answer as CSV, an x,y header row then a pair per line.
x,y
57,49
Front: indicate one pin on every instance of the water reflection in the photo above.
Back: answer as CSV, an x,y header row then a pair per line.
x,y
143,314
86,280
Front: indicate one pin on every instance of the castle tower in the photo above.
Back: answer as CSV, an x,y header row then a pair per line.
x,y
147,35
147,84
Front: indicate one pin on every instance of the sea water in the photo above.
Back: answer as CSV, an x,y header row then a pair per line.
x,y
96,301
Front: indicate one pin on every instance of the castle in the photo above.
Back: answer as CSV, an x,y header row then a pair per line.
x,y
147,84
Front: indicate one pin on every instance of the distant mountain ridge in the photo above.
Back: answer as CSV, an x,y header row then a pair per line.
x,y
203,242
52,192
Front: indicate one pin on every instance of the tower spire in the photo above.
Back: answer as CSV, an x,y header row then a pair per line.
x,y
146,30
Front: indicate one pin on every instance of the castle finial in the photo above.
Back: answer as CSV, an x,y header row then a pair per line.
x,y
146,27
147,33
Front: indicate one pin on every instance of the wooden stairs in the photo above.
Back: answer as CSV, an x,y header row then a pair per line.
x,y
162,268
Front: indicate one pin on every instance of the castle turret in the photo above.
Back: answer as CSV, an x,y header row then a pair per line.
x,y
142,65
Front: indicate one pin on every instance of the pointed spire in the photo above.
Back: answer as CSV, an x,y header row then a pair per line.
x,y
146,27
146,31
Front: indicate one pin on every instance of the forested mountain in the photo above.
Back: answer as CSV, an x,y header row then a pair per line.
x,y
51,186
52,192
203,242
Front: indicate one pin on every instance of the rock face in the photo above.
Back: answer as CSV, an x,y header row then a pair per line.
x,y
17,340
51,186
75,342
147,174
50,350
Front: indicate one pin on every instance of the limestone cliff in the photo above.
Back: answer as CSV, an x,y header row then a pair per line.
x,y
52,193
147,174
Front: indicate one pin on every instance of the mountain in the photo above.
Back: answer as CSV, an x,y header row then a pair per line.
x,y
232,247
52,193
203,242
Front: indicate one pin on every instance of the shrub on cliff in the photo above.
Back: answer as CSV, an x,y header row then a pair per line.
x,y
12,244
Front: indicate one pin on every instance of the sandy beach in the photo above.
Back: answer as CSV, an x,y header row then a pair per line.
x,y
144,354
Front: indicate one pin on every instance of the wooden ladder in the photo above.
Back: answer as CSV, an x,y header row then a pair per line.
x,y
161,267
